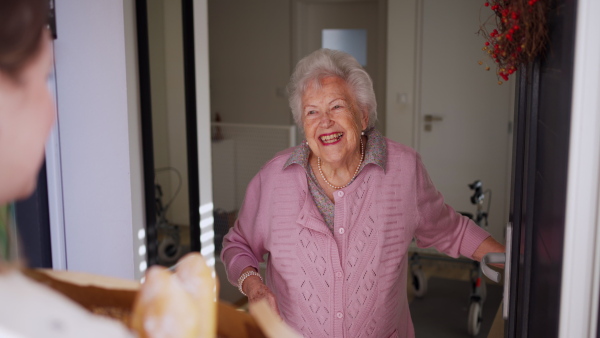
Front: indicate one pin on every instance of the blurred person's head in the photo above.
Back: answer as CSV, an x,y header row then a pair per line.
x,y
26,106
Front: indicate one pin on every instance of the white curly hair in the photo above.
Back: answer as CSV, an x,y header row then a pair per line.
x,y
324,63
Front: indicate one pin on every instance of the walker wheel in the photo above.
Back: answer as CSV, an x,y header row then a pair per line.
x,y
483,290
474,321
419,283
479,291
169,251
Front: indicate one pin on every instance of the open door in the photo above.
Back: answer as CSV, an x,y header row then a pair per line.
x,y
463,114
539,182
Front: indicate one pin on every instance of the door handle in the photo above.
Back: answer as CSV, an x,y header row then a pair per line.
x,y
433,118
492,258
506,296
499,258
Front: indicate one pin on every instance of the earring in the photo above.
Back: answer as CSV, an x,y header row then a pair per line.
x,y
362,133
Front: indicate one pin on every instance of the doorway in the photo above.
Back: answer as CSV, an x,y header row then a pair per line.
x,y
312,20
443,103
168,117
463,115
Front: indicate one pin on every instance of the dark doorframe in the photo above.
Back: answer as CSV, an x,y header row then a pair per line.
x,y
539,182
146,123
141,12
189,67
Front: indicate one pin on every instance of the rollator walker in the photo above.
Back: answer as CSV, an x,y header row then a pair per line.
x,y
478,285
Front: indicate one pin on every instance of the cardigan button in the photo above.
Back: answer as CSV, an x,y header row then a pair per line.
x,y
338,274
340,194
339,315
341,231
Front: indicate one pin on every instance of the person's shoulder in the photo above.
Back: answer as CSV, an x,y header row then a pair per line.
x,y
401,158
277,169
278,161
398,150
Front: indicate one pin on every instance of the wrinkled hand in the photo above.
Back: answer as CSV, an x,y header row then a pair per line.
x,y
487,246
257,290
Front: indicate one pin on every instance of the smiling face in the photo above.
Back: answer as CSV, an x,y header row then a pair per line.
x,y
26,117
332,122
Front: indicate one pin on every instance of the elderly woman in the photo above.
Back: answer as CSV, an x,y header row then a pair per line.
x,y
337,213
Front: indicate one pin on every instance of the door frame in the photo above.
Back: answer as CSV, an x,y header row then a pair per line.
x,y
581,258
197,117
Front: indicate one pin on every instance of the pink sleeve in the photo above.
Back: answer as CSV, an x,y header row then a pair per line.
x,y
243,244
439,225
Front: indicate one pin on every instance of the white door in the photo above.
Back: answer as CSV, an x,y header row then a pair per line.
x,y
312,17
470,137
55,189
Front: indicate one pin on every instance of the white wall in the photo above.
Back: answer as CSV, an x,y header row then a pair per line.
x,y
401,74
158,88
581,257
138,219
179,211
203,128
168,105
99,133
250,43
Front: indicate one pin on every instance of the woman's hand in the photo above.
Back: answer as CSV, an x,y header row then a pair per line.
x,y
256,290
487,246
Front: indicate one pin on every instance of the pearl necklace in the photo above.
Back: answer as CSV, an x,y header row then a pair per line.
x,y
362,156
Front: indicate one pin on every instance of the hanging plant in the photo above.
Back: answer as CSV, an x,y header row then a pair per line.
x,y
515,34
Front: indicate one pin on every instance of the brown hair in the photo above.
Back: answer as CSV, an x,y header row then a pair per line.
x,y
21,26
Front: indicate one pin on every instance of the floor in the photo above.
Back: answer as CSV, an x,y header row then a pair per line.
x,y
443,311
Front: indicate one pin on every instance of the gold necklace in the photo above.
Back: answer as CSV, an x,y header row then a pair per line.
x,y
362,156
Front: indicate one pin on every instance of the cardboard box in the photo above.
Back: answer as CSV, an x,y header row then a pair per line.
x,y
114,297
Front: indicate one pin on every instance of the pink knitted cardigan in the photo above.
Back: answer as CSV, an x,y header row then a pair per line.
x,y
352,282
